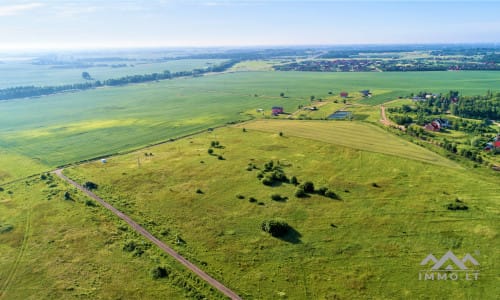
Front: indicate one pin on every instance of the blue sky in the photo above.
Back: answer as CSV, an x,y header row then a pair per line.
x,y
157,23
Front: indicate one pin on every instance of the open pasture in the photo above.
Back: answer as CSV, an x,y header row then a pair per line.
x,y
69,127
369,244
352,134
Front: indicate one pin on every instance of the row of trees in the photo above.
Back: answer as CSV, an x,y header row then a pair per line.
x,y
35,91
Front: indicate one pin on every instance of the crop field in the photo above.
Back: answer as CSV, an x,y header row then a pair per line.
x,y
93,123
356,135
369,244
23,73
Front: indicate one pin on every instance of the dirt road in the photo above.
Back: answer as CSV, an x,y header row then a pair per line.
x,y
386,121
216,284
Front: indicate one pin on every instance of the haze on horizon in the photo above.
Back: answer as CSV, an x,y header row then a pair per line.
x,y
91,24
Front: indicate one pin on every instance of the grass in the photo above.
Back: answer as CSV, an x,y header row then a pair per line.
x,y
356,135
99,122
380,232
15,166
64,249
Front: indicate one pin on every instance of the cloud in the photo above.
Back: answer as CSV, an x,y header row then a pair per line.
x,y
12,10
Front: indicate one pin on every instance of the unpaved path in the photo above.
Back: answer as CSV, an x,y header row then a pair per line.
x,y
139,229
386,121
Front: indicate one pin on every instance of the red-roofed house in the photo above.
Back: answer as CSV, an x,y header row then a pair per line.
x,y
344,94
277,110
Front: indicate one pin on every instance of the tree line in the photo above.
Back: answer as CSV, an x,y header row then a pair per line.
x,y
35,91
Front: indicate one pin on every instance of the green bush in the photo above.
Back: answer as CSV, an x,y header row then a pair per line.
x,y
210,151
294,180
240,196
276,228
277,197
331,194
300,193
6,228
67,196
89,185
199,191
252,200
308,187
159,272
90,203
322,191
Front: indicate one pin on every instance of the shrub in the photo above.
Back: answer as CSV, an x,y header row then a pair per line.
x,y
308,187
6,228
260,175
277,197
89,185
210,151
67,196
267,181
375,185
300,193
244,129
43,177
1,189
252,200
240,196
294,180
159,272
129,246
281,133
261,203
276,228
199,191
458,205
331,195
90,203
220,157
322,191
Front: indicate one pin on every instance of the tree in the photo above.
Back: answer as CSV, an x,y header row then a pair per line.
x,y
312,98
282,94
86,76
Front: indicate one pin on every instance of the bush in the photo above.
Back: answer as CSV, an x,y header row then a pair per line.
x,y
375,185
277,197
67,196
159,272
322,191
281,133
90,203
210,151
267,181
240,196
220,157
1,189
458,205
331,195
276,228
294,180
6,228
199,191
129,246
252,200
43,177
89,185
308,187
300,193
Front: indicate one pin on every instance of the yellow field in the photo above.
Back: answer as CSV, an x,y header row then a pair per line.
x,y
352,134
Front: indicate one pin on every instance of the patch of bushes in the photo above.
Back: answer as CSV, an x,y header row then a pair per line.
x,y
276,228
457,205
278,197
90,203
159,272
6,228
89,185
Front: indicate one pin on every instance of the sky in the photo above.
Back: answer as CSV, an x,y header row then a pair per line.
x,y
75,24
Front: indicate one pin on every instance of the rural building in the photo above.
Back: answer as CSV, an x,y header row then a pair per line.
x,y
344,94
433,126
277,110
366,93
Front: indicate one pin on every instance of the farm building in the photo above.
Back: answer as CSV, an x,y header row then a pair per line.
x,y
433,126
344,94
277,110
365,93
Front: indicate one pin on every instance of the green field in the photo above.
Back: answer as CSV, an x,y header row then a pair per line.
x,y
356,135
23,73
63,249
379,236
69,127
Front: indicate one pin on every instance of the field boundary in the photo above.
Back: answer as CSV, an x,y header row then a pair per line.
x,y
142,231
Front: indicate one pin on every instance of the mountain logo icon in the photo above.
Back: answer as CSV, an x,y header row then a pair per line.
x,y
448,260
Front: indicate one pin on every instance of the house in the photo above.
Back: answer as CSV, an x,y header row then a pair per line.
x,y
344,94
444,123
276,110
433,126
418,98
365,93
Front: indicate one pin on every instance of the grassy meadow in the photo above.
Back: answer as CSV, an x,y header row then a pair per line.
x,y
369,244
65,249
